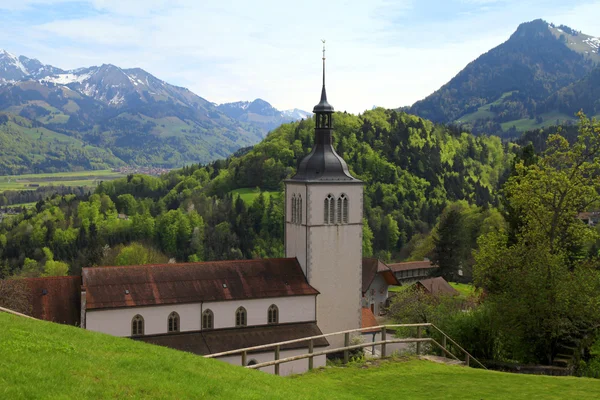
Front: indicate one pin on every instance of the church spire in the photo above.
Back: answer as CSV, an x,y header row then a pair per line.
x,y
323,106
323,164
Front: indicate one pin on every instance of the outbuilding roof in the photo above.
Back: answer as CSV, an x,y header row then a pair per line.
x,y
55,299
373,266
409,265
437,286
368,320
145,285
220,340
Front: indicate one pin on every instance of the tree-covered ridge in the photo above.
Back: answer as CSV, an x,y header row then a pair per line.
x,y
511,84
412,168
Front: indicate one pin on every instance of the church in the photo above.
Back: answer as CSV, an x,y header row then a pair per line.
x,y
323,285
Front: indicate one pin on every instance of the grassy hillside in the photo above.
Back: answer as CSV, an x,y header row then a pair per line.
x,y
44,360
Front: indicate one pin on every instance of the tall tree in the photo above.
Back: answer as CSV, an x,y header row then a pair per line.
x,y
449,245
543,287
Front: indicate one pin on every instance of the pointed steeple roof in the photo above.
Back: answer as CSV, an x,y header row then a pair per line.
x,y
323,105
323,164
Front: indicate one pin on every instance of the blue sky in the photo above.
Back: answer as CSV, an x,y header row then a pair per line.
x,y
379,52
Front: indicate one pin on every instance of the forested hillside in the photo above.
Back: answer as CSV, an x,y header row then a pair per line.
x,y
412,169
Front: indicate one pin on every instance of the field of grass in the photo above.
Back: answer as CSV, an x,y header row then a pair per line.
x,y
483,111
465,289
79,178
548,119
248,195
45,360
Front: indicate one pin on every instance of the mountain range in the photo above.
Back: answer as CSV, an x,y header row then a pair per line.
x,y
105,116
542,75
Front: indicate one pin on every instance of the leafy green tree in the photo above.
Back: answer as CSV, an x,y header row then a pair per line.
x,y
367,239
54,268
138,254
127,204
543,287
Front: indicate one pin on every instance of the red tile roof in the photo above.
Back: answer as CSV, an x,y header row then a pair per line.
x,y
220,340
368,320
373,266
55,299
143,285
437,286
406,266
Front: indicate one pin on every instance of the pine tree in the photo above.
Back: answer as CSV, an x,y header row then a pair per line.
x,y
450,245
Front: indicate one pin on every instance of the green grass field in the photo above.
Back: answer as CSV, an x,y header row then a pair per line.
x,y
465,289
248,195
40,360
79,178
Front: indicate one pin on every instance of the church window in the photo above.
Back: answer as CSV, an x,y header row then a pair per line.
x,y
273,314
137,326
329,210
173,322
208,319
299,212
343,214
240,317
294,208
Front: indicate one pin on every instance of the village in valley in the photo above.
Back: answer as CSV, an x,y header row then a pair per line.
x,y
154,244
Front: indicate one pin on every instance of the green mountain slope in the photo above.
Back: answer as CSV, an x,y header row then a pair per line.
x,y
45,360
412,169
510,84
29,147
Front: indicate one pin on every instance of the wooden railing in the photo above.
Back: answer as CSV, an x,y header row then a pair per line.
x,y
383,329
9,311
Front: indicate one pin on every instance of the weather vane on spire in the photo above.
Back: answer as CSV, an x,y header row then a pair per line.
x,y
323,40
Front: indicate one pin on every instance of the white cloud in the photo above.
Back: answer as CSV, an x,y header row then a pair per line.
x,y
380,52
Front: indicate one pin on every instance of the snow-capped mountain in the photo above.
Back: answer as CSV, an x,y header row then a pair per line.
x,y
13,68
261,112
296,114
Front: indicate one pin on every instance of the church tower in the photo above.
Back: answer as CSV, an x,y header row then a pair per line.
x,y
323,227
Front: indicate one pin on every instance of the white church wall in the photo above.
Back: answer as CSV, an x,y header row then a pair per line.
x,y
291,309
117,322
335,260
295,244
293,367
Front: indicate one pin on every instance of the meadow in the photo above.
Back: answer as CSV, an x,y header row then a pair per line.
x,y
79,178
46,360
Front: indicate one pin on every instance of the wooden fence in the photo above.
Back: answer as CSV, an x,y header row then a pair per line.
x,y
383,329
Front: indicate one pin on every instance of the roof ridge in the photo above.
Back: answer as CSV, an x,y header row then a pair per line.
x,y
194,263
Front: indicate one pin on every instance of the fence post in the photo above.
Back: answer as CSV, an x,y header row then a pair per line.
x,y
467,359
383,339
418,343
276,358
444,342
346,344
310,350
244,355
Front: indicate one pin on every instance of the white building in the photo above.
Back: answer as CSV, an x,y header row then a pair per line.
x,y
212,307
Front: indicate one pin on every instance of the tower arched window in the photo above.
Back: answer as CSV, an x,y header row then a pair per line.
x,y
329,210
273,314
173,325
342,209
240,317
299,211
294,208
137,326
208,319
